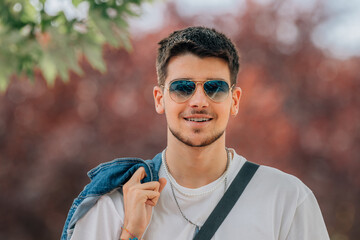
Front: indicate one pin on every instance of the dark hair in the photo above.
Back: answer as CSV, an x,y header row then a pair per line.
x,y
201,41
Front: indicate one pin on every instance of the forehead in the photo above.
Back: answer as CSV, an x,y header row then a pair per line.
x,y
195,68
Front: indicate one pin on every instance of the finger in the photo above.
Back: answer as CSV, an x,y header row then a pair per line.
x,y
151,197
154,186
150,203
162,182
138,175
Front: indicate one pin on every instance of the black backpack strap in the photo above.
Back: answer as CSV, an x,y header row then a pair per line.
x,y
227,202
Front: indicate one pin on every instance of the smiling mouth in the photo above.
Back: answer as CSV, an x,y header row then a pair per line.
x,y
198,119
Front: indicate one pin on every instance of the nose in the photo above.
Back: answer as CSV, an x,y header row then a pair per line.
x,y
199,98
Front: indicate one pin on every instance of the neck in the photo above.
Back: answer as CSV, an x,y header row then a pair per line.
x,y
194,167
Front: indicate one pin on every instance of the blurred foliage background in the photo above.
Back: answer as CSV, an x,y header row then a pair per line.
x,y
30,38
300,110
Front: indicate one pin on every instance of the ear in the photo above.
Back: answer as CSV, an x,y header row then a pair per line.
x,y
159,101
236,95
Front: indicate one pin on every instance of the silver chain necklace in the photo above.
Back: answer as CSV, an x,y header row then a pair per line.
x,y
223,178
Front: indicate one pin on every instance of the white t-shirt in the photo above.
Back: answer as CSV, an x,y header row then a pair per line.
x,y
274,205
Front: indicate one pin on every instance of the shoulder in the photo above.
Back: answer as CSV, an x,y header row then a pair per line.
x,y
110,204
281,184
113,202
102,221
272,182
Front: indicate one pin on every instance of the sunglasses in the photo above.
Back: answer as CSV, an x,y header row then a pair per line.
x,y
182,90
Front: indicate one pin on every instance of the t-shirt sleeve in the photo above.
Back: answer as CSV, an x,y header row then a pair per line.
x,y
308,223
101,222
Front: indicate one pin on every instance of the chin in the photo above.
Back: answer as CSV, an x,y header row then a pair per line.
x,y
196,141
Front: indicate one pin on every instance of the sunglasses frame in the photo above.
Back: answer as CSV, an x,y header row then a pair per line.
x,y
196,84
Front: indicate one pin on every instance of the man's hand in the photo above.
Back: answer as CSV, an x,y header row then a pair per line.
x,y
139,199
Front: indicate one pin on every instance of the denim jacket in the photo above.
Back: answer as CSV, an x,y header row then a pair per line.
x,y
105,178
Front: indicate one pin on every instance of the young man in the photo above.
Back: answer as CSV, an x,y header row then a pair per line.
x,y
197,69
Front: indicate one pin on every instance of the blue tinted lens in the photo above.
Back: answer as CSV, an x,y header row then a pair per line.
x,y
181,90
217,90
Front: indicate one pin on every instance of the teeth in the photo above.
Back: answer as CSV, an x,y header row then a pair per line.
x,y
198,119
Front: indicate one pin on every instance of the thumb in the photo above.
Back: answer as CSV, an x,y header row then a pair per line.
x,y
162,182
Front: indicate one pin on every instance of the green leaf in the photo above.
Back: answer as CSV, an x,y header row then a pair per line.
x,y
48,68
76,2
4,81
3,86
94,55
29,13
104,27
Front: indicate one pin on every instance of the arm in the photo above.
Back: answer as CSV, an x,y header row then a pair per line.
x,y
308,223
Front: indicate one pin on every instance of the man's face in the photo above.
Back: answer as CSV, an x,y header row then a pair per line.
x,y
199,121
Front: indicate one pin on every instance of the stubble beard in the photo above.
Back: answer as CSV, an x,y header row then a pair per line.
x,y
188,141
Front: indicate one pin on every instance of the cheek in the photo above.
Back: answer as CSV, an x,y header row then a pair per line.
x,y
171,111
224,114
